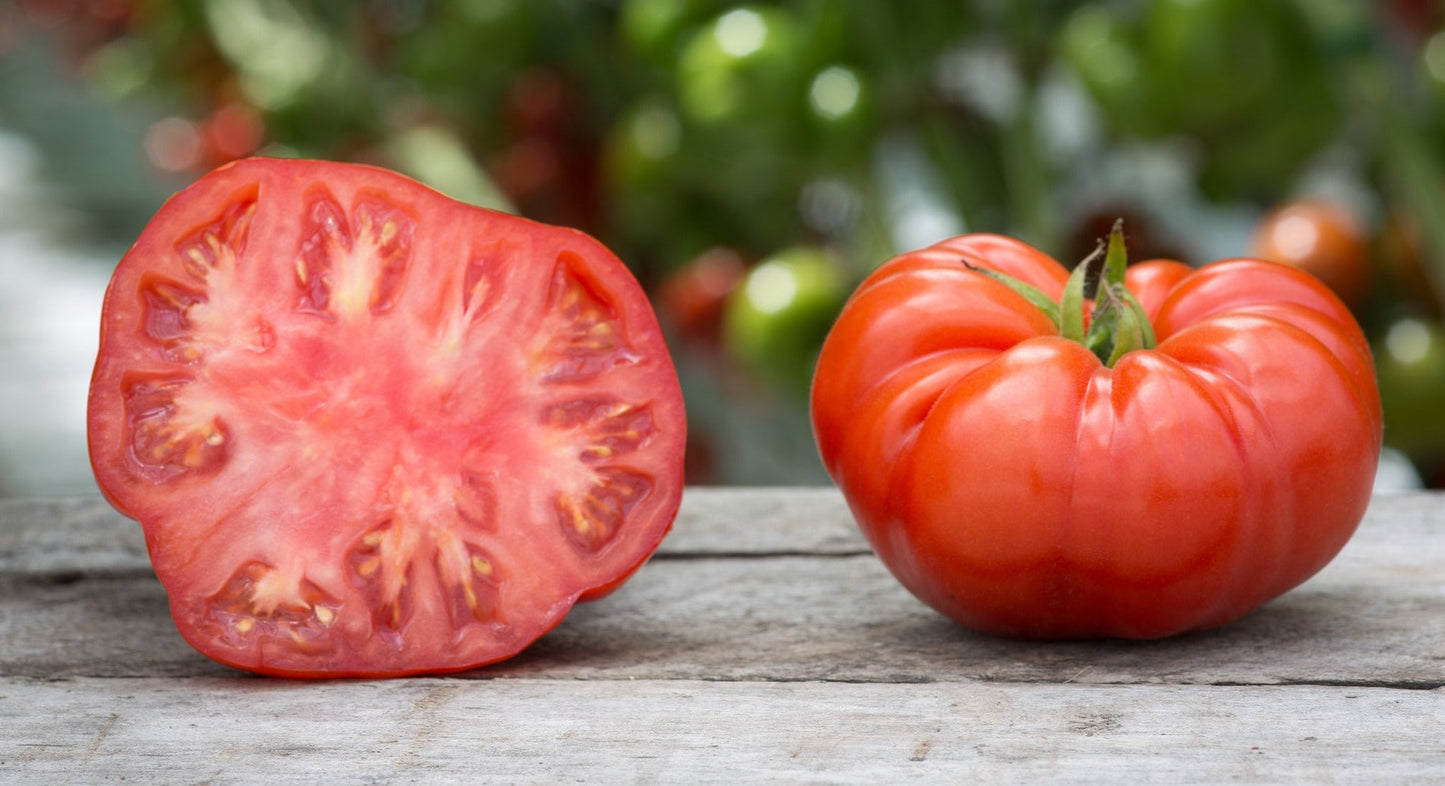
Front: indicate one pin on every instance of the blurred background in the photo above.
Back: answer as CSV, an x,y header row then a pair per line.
x,y
750,162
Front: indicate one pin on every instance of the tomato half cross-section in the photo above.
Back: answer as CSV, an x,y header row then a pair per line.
x,y
1161,455
369,430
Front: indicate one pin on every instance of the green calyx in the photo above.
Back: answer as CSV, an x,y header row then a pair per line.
x,y
1117,325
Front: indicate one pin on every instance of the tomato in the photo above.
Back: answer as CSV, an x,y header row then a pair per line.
x,y
655,29
1321,238
1410,362
1023,486
1417,20
640,158
1105,54
1405,262
843,115
232,131
776,318
691,298
551,166
1146,237
370,430
742,70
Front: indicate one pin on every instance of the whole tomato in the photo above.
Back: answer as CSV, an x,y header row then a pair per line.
x,y
776,318
1164,463
743,69
1410,362
1407,264
1323,239
692,298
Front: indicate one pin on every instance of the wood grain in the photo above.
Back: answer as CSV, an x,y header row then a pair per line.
x,y
550,731
763,642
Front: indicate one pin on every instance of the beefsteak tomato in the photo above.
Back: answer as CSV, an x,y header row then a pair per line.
x,y
369,430
1026,486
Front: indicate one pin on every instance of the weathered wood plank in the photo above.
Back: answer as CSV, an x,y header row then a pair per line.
x,y
764,642
67,536
763,521
846,619
774,585
86,535
245,731
70,535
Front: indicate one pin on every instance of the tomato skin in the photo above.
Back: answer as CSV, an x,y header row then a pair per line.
x,y
692,298
776,316
1153,280
1019,486
372,431
1410,363
1320,238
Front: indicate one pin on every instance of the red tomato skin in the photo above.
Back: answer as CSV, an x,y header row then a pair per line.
x,y
1020,487
1152,280
431,422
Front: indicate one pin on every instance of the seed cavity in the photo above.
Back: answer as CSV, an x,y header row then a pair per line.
x,y
194,313
480,290
217,246
381,567
469,581
475,498
582,340
165,306
605,427
351,265
170,434
261,599
592,519
402,565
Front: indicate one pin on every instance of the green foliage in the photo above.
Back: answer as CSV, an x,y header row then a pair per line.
x,y
671,127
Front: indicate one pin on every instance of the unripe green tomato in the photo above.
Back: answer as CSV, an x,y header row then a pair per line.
x,y
643,146
843,114
776,319
655,29
743,68
1103,52
1410,364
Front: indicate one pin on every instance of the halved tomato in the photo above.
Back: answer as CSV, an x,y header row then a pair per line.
x,y
370,430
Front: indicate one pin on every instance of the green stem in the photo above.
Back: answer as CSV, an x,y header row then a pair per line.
x,y
1071,304
1032,294
1117,324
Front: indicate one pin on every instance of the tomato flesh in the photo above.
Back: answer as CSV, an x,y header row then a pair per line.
x,y
370,430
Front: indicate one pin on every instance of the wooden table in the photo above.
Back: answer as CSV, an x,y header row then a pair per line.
x,y
764,642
